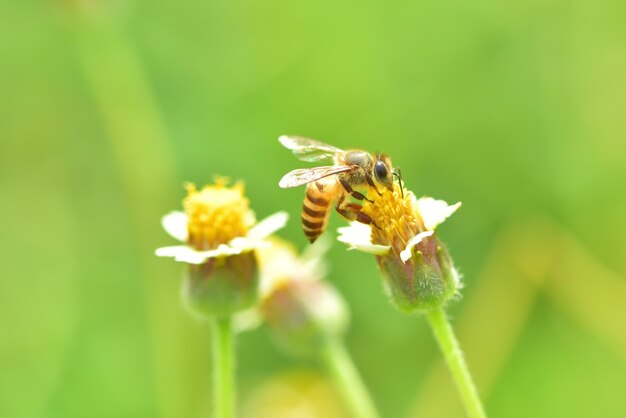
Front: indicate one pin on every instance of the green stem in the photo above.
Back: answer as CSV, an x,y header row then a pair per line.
x,y
224,368
456,363
348,380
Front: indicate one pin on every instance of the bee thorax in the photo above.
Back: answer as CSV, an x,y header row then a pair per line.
x,y
360,158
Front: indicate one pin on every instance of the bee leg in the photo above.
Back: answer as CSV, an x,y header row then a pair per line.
x,y
371,183
366,219
353,193
352,212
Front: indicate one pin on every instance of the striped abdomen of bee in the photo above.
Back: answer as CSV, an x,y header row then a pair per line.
x,y
316,208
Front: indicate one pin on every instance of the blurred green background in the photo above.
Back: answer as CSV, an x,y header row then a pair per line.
x,y
514,108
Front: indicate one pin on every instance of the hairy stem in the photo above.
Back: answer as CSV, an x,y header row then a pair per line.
x,y
224,368
348,381
456,362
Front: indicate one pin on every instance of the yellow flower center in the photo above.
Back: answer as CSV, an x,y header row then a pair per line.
x,y
217,214
395,217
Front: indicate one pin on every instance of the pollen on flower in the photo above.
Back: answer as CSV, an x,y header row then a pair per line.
x,y
395,217
216,214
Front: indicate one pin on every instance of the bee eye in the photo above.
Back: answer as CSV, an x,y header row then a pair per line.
x,y
380,170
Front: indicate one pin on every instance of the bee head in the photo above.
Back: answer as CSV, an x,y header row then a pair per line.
x,y
383,171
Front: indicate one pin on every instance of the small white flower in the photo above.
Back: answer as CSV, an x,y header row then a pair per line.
x,y
433,212
175,224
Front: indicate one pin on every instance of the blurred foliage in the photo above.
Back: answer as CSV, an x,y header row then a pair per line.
x,y
515,108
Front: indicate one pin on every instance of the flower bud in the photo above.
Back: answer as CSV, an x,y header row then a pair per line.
x,y
426,280
221,286
418,271
305,315
220,238
303,311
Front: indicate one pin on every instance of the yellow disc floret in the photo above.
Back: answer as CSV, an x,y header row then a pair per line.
x,y
216,214
395,217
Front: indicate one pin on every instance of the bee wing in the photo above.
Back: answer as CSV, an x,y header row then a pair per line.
x,y
307,149
307,175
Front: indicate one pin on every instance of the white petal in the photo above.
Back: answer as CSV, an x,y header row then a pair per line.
x,y
189,255
268,226
221,251
175,224
434,212
356,233
192,257
247,320
171,251
358,237
247,244
181,253
370,248
407,252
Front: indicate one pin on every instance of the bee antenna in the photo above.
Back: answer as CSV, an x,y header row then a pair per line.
x,y
396,172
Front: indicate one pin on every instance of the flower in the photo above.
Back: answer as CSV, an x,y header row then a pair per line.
x,y
220,237
303,311
418,270
217,222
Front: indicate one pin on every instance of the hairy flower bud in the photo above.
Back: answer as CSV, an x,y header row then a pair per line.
x,y
418,271
303,311
221,286
423,282
221,237
304,315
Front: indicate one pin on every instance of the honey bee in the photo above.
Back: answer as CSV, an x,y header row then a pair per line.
x,y
351,169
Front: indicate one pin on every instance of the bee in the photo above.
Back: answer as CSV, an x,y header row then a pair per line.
x,y
326,184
